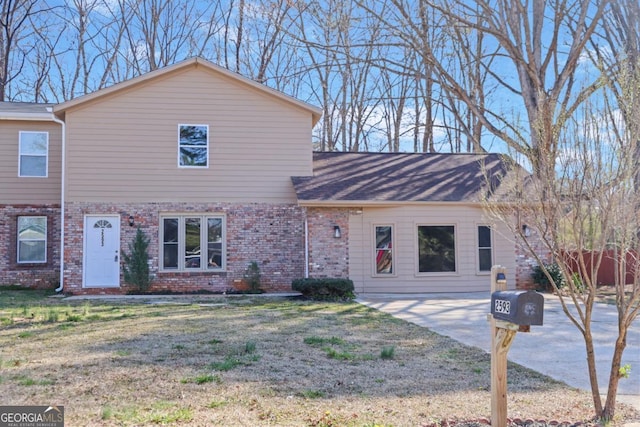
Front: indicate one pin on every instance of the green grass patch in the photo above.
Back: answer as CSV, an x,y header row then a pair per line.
x,y
250,347
217,404
318,341
312,394
25,334
28,381
332,353
73,317
160,413
202,379
227,364
106,413
388,352
53,315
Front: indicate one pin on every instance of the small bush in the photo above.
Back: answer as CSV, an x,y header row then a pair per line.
x,y
253,277
542,281
325,289
388,352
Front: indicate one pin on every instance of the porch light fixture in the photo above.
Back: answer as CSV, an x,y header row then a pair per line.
x,y
336,232
526,231
131,220
500,277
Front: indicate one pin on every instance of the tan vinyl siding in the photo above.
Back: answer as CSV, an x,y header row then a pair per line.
x,y
406,278
124,146
29,190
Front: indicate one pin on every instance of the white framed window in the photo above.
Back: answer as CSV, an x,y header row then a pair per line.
x,y
33,154
32,239
193,146
192,242
436,249
383,256
485,248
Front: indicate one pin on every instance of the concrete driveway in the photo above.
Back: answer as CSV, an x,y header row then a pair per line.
x,y
555,349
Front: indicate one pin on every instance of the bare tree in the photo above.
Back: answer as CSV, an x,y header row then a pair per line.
x,y
533,45
618,56
590,216
540,46
20,24
162,32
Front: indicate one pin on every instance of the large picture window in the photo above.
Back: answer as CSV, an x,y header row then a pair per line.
x,y
33,154
436,248
192,242
32,239
384,249
193,146
485,253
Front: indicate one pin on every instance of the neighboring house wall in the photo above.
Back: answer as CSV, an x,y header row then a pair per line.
x,y
404,276
27,196
32,275
29,190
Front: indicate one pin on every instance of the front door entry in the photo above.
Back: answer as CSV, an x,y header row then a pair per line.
x,y
101,251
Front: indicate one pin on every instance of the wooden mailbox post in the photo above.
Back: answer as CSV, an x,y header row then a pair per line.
x,y
511,312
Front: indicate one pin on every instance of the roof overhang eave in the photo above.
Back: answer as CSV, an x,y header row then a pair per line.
x,y
39,117
379,203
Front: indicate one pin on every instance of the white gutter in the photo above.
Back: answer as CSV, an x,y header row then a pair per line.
x,y
25,116
62,178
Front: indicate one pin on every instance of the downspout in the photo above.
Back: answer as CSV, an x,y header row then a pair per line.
x,y
306,248
62,179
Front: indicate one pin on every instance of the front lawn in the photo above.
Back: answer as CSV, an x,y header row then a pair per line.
x,y
249,361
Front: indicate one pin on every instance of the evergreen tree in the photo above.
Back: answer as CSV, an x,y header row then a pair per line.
x,y
136,263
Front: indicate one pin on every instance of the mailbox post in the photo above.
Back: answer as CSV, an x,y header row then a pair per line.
x,y
511,311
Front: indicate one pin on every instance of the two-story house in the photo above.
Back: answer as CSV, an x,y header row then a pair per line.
x,y
218,171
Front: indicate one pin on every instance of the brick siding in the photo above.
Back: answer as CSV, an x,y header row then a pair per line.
x,y
271,235
328,255
525,262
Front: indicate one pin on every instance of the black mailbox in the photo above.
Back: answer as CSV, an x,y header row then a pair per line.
x,y
519,307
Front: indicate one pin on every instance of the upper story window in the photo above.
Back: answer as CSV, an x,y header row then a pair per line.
x,y
384,249
33,154
485,252
436,248
32,239
193,146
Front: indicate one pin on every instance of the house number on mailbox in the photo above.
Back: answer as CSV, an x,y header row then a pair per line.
x,y
502,306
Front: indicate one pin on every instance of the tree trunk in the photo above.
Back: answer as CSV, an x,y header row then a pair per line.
x,y
614,375
591,366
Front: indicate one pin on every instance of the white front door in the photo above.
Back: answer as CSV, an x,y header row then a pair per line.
x,y
101,251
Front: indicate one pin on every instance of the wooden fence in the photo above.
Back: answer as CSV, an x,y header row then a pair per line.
x,y
609,265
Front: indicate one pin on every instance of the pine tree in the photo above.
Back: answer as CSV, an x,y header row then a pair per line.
x,y
136,263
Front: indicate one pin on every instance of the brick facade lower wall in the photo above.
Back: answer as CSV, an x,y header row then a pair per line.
x,y
271,235
328,255
35,275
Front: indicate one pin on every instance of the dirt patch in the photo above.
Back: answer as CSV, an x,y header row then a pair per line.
x,y
252,361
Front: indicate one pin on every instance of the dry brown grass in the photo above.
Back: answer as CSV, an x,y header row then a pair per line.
x,y
214,361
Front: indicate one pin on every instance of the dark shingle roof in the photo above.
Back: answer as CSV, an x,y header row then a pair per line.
x,y
399,177
23,107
